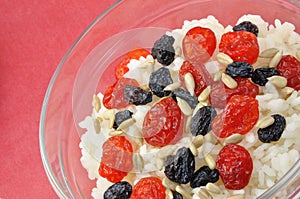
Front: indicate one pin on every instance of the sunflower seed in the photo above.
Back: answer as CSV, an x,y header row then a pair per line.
x,y
286,91
183,192
278,81
178,51
210,161
298,54
97,126
127,123
138,137
205,94
229,81
147,63
193,149
96,103
276,59
107,115
198,141
210,138
198,106
224,59
269,53
188,125
212,188
239,196
115,133
169,184
169,194
184,106
159,163
110,115
172,86
234,139
189,83
262,65
166,151
218,75
138,162
265,122
204,194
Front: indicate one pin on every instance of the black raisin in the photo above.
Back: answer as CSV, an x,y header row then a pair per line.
x,y
239,69
181,93
137,96
246,26
260,75
273,132
201,121
177,195
120,117
163,50
181,166
159,79
119,190
203,176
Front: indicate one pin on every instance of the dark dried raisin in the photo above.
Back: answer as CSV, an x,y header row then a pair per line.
x,y
163,50
159,79
273,132
239,69
120,117
119,190
137,96
201,121
247,26
180,167
203,176
181,93
177,195
260,75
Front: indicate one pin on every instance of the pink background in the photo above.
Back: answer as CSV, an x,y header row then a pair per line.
x,y
34,37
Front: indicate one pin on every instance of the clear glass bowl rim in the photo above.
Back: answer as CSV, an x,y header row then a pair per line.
x,y
55,185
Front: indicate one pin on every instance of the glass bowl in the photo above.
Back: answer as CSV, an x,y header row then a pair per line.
x,y
84,71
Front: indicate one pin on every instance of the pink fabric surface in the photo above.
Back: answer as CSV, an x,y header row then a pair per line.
x,y
34,37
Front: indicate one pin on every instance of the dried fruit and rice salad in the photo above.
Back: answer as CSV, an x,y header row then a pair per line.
x,y
208,112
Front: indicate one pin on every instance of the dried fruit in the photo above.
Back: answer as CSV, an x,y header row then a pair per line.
x,y
241,46
159,79
289,67
201,121
247,26
220,94
236,118
177,195
198,45
235,165
260,75
273,132
181,166
149,187
119,190
163,50
161,123
120,117
201,76
114,94
122,68
239,69
181,93
116,159
203,176
137,96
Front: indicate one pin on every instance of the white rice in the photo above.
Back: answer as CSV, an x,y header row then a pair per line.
x,y
271,160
